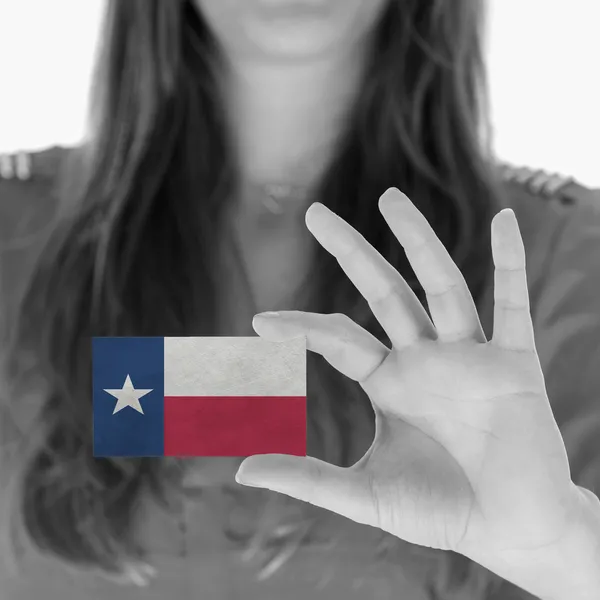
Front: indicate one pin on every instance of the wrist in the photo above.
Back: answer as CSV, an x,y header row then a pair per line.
x,y
571,570
581,569
567,570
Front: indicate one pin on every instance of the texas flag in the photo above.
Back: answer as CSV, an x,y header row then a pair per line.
x,y
198,396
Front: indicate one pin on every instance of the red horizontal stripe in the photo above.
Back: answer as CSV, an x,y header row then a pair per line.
x,y
235,425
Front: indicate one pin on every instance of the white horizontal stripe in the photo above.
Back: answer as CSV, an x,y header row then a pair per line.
x,y
234,366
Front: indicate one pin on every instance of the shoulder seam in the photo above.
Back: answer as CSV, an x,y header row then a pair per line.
x,y
549,186
539,182
26,166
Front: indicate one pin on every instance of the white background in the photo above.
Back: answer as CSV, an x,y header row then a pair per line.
x,y
544,68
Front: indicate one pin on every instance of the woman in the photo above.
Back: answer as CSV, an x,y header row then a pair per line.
x,y
215,126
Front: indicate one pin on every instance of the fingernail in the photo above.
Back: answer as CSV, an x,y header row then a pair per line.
x,y
268,314
393,196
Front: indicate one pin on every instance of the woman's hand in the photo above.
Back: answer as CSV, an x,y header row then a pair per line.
x,y
467,455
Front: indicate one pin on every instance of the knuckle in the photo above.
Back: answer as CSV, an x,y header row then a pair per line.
x,y
393,291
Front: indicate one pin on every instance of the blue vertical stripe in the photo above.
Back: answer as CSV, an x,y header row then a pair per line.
x,y
128,432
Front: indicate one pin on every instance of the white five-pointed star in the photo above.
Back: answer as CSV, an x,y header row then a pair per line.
x,y
128,396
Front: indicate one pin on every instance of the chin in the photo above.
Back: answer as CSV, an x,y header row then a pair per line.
x,y
290,29
293,41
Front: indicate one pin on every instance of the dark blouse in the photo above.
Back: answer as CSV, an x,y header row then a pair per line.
x,y
560,224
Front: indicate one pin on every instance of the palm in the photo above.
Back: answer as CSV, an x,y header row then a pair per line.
x,y
430,465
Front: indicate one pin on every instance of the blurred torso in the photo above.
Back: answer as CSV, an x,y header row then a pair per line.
x,y
193,555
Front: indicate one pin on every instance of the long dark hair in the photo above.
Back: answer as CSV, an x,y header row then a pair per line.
x,y
131,251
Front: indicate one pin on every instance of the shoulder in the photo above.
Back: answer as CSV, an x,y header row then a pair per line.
x,y
30,169
538,194
548,186
29,189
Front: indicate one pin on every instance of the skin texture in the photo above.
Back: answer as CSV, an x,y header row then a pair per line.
x,y
467,455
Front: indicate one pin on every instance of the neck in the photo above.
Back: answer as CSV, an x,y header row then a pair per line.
x,y
286,118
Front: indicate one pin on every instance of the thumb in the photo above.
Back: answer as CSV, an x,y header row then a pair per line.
x,y
344,491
